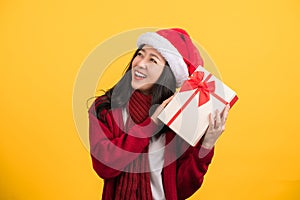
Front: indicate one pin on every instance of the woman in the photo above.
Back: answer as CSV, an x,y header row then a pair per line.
x,y
136,155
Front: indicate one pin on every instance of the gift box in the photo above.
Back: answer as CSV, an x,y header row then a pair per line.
x,y
187,114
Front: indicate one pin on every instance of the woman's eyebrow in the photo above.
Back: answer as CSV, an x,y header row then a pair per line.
x,y
151,54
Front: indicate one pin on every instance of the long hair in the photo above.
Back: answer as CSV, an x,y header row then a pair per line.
x,y
119,94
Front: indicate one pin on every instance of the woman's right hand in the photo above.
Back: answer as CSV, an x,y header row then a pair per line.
x,y
159,109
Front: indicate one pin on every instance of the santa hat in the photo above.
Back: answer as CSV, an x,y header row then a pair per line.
x,y
176,46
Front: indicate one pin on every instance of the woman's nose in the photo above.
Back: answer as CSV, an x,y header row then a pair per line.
x,y
142,63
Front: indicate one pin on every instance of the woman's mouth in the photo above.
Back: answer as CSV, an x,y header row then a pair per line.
x,y
139,75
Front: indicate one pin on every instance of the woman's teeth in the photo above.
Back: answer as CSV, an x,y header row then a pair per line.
x,y
138,74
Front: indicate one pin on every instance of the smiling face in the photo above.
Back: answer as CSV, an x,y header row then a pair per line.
x,y
146,69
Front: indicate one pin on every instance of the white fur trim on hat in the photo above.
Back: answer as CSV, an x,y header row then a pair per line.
x,y
169,52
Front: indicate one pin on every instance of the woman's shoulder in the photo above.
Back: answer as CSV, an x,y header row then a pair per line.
x,y
101,103
101,100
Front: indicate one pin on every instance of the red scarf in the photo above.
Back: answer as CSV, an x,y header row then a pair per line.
x,y
131,185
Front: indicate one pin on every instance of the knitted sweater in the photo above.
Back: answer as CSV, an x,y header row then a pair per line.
x,y
182,175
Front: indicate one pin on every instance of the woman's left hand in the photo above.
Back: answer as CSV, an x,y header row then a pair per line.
x,y
215,128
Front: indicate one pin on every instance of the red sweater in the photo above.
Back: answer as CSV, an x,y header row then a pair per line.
x,y
181,178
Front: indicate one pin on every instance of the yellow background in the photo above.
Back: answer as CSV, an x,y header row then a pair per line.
x,y
255,45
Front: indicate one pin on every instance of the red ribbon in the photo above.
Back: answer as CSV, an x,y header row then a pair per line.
x,y
203,86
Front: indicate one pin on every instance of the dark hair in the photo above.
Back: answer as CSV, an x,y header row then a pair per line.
x,y
119,95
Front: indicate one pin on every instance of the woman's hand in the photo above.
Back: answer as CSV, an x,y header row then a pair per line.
x,y
159,109
215,128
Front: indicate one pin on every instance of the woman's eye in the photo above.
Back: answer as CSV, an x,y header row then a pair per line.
x,y
140,54
153,60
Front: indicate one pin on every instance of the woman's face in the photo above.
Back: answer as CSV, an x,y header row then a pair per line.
x,y
147,67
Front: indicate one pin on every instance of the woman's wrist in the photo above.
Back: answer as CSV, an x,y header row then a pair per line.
x,y
155,120
207,145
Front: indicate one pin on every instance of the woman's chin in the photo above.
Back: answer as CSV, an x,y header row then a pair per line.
x,y
144,88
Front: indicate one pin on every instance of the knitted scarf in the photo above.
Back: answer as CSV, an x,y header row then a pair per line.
x,y
131,185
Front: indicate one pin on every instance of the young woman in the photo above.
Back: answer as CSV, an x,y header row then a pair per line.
x,y
136,155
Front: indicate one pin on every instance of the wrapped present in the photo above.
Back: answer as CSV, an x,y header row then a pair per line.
x,y
187,114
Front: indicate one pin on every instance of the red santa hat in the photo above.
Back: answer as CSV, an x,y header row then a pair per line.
x,y
176,46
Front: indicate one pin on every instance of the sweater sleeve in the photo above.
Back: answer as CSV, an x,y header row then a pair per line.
x,y
110,153
192,165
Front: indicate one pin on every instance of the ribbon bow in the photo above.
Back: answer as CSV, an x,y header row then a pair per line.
x,y
196,82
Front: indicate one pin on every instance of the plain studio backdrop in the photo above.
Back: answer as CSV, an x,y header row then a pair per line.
x,y
254,44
